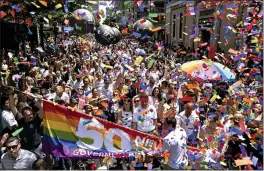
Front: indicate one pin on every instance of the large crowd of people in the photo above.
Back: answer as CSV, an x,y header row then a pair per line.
x,y
203,123
116,87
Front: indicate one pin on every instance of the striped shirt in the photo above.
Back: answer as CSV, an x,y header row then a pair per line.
x,y
22,162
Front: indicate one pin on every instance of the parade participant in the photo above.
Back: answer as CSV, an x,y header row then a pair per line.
x,y
175,144
9,113
16,157
86,84
125,114
222,115
106,90
189,121
32,129
155,97
99,82
145,117
150,87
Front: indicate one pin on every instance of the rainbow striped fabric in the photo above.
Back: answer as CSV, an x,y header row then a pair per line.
x,y
71,134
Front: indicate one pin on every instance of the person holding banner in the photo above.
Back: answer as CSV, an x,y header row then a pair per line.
x,y
145,116
125,115
31,124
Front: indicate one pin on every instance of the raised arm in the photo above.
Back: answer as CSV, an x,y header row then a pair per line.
x,y
12,103
39,103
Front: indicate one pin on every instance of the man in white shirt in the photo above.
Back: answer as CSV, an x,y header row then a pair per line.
x,y
106,90
72,80
145,117
78,84
86,84
189,121
99,82
146,78
150,86
142,70
175,144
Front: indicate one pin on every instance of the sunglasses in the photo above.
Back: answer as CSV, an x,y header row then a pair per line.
x,y
136,101
12,147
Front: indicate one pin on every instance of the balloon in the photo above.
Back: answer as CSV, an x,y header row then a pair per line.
x,y
117,35
83,14
104,35
143,27
83,20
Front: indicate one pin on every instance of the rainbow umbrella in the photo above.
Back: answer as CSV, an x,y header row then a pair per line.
x,y
208,70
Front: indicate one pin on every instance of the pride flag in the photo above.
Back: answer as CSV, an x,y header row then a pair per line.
x,y
70,134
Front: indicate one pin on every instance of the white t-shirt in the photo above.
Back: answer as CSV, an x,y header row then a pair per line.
x,y
65,97
188,124
46,73
108,93
142,72
98,83
71,82
175,144
8,119
77,85
155,75
145,122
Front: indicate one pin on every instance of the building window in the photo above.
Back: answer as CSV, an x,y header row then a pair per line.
x,y
180,29
174,26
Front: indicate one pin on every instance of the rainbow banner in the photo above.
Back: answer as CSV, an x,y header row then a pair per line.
x,y
71,134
